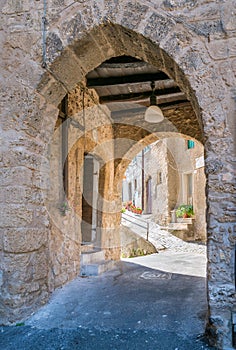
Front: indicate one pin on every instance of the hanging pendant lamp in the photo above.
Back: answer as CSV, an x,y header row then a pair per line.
x,y
153,113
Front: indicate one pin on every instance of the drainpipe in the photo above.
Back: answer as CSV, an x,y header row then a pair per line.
x,y
44,29
64,147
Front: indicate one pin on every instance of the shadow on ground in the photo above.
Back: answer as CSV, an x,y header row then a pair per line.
x,y
131,307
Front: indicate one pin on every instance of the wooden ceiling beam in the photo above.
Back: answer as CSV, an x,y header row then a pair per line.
x,y
137,87
142,109
172,94
127,79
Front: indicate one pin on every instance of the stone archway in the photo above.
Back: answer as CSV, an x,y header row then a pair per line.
x,y
160,41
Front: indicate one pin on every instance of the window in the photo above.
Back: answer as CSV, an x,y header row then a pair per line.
x,y
190,144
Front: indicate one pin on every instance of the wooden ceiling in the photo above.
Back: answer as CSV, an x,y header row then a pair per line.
x,y
124,84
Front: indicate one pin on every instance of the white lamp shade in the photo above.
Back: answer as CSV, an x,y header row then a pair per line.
x,y
153,114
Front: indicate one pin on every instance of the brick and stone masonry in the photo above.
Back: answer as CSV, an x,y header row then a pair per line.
x,y
194,43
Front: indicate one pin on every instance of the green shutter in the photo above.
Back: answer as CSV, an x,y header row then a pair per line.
x,y
190,144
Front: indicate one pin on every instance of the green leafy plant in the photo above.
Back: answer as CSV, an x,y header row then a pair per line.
x,y
184,211
64,208
131,207
128,205
139,210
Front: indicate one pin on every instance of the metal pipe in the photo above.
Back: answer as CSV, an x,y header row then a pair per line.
x,y
64,107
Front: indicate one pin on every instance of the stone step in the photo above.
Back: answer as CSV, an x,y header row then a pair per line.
x,y
92,257
96,269
178,226
182,229
87,247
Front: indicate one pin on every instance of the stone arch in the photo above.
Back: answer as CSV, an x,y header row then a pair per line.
x,y
82,30
171,52
123,161
83,56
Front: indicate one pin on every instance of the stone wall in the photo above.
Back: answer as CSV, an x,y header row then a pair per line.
x,y
132,244
167,162
183,161
174,185
192,41
65,209
156,167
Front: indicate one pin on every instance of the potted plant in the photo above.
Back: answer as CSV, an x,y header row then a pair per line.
x,y
184,211
132,207
139,210
128,205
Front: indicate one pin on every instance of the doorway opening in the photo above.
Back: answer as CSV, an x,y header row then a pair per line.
x,y
90,199
112,114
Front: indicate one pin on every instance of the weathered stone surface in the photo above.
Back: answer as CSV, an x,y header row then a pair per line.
x,y
165,25
51,89
20,175
73,28
24,240
229,15
133,14
16,216
193,42
54,46
223,48
64,252
68,58
14,6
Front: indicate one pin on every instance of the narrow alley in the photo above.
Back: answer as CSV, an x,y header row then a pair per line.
x,y
149,302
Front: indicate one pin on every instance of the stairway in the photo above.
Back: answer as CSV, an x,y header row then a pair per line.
x,y
92,261
183,229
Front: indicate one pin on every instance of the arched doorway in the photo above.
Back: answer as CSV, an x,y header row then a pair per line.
x,y
57,81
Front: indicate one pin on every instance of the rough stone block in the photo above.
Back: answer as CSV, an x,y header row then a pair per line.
x,y
24,240
20,175
165,25
133,14
16,216
202,39
68,69
223,48
16,268
16,6
52,90
73,28
40,265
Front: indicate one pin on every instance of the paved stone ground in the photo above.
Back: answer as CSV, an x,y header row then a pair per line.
x,y
160,237
132,307
58,339
157,302
185,263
